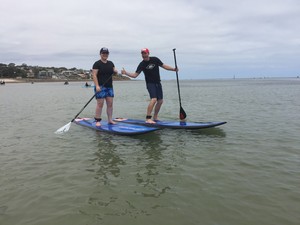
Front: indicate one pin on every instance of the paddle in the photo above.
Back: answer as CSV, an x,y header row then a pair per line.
x,y
66,127
182,114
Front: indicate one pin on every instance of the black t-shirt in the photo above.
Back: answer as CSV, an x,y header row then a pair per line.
x,y
105,72
150,69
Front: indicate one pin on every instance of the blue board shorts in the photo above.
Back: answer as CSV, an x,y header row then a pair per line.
x,y
155,90
105,92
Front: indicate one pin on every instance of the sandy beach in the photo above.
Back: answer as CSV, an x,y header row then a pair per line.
x,y
13,81
26,80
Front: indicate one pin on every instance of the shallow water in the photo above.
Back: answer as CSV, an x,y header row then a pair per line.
x,y
244,172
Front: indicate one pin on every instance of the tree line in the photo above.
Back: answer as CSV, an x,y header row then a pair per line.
x,y
12,70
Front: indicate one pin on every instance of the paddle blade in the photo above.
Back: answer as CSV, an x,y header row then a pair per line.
x,y
63,129
182,114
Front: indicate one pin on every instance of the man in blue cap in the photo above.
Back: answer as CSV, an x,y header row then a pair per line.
x,y
103,71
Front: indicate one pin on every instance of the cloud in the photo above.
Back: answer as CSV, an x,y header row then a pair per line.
x,y
212,38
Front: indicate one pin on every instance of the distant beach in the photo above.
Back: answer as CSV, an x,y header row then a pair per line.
x,y
26,80
11,81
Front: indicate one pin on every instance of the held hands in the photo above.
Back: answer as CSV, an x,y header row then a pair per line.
x,y
123,71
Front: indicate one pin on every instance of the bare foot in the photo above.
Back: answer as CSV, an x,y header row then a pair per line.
x,y
98,124
150,121
112,122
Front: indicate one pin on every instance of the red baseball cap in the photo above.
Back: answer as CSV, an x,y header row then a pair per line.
x,y
145,50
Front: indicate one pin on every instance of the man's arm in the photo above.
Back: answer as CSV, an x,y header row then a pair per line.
x,y
132,75
166,67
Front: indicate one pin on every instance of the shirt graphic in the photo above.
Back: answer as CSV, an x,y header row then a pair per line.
x,y
150,66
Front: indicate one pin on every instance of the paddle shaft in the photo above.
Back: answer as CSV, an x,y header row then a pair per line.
x,y
182,114
83,107
177,77
89,100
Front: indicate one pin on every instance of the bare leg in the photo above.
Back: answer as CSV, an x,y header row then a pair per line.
x,y
109,109
157,108
151,105
98,112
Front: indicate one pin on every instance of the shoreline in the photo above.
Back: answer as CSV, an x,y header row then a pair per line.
x,y
12,80
36,80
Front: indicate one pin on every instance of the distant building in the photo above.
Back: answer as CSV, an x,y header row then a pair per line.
x,y
72,74
30,74
46,74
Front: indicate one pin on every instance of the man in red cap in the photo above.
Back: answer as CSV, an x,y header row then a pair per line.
x,y
150,67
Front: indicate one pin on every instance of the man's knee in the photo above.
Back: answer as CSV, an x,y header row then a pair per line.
x,y
153,100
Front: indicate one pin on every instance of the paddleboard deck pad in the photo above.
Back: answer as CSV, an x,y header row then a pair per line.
x,y
171,124
118,128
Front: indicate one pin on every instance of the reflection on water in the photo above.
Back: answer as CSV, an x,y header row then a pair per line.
x,y
3,210
136,172
210,132
152,160
108,161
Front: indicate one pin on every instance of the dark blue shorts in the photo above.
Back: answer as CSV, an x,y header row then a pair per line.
x,y
105,92
155,90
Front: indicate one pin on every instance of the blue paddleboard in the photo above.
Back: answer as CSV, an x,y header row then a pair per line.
x,y
172,124
119,128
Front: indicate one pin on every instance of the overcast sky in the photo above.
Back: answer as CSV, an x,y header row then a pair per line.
x,y
213,38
